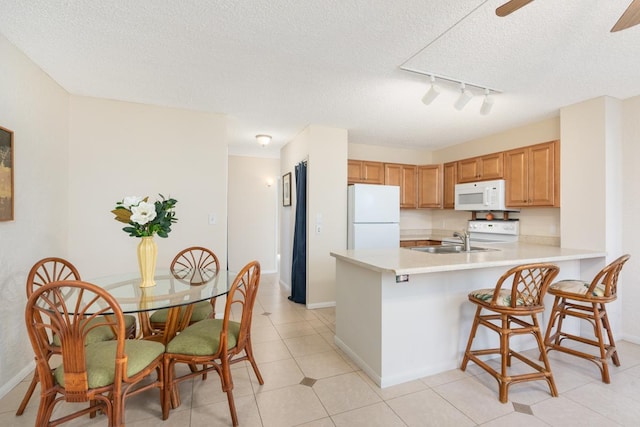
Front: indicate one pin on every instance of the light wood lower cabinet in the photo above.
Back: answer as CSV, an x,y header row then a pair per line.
x,y
418,243
532,175
404,176
430,186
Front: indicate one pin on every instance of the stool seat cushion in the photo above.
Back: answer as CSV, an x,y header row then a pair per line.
x,y
577,287
504,296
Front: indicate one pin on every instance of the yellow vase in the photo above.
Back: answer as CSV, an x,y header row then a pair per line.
x,y
147,254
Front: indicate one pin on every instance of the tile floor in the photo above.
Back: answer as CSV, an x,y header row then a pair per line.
x,y
310,382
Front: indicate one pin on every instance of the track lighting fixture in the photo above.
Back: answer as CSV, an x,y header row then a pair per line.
x,y
432,93
464,98
465,94
487,104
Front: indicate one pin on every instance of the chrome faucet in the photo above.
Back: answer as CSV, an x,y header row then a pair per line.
x,y
464,236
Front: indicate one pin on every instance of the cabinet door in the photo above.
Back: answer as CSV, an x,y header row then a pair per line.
x,y
450,180
409,187
481,168
542,175
354,171
393,175
429,186
532,175
491,166
468,170
405,177
517,177
373,172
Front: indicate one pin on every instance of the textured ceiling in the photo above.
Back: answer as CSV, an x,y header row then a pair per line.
x,y
275,66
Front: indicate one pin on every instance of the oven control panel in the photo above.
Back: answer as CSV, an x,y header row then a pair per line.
x,y
511,228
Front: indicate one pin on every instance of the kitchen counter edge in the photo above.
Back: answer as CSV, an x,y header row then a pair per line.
x,y
406,261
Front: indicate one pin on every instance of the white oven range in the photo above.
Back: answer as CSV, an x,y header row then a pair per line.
x,y
489,231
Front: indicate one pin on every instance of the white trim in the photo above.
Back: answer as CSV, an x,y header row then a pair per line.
x,y
17,379
321,305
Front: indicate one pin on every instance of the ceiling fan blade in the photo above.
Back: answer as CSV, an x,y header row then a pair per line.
x,y
629,18
511,6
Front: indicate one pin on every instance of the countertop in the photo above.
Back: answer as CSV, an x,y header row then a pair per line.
x,y
408,261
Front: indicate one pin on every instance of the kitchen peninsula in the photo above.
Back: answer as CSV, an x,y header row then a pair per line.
x,y
403,314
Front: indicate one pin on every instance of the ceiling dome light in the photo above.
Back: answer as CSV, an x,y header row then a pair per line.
x,y
465,97
487,104
432,93
263,140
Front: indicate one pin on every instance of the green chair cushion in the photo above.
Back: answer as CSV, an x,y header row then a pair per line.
x,y
504,297
100,359
203,338
201,310
577,287
101,333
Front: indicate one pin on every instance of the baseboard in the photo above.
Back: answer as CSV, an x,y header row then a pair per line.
x,y
634,339
321,305
358,361
17,379
284,284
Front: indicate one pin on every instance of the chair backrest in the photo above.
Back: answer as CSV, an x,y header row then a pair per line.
x,y
195,257
529,285
197,264
608,277
70,309
49,270
45,271
239,305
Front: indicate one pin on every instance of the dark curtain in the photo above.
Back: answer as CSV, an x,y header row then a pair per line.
x,y
299,263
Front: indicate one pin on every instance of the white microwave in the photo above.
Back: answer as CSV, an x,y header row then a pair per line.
x,y
481,196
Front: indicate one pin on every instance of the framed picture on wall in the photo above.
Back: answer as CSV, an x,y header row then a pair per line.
x,y
286,189
6,174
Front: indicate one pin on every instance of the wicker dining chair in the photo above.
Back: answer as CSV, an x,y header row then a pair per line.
x,y
102,374
507,307
190,260
53,269
586,301
216,344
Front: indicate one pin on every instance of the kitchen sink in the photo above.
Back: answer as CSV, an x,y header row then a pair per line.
x,y
450,249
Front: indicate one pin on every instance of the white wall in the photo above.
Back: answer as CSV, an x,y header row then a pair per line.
x,y
254,194
36,109
630,277
325,150
119,149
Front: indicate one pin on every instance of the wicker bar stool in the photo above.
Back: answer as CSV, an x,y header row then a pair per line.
x,y
586,301
507,307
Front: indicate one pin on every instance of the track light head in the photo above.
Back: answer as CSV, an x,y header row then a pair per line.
x,y
465,97
487,104
432,93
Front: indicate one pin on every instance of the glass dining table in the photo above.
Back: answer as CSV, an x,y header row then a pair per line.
x,y
175,291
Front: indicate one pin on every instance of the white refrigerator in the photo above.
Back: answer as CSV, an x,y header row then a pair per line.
x,y
373,213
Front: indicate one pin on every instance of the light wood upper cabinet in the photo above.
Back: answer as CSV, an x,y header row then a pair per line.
x,y
365,172
532,175
450,178
482,168
430,186
404,176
